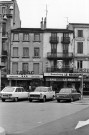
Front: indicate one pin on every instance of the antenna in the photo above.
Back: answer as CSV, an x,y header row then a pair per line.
x,y
46,13
67,19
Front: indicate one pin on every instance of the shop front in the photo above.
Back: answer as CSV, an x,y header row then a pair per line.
x,y
29,82
61,80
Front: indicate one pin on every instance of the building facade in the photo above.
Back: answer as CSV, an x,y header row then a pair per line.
x,y
58,53
26,63
81,51
9,19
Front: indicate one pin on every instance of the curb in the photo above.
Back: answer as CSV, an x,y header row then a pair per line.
x,y
2,131
83,102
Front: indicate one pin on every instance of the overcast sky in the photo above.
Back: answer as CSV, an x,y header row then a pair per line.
x,y
31,12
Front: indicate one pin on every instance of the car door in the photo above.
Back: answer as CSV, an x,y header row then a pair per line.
x,y
18,93
24,93
73,94
77,94
50,93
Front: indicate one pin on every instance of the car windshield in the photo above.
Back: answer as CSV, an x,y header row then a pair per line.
x,y
8,89
65,90
41,89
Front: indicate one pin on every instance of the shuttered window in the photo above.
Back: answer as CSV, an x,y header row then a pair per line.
x,y
80,47
15,51
25,67
25,52
14,67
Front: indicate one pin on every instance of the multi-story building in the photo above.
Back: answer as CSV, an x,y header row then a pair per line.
x,y
26,63
81,51
9,19
58,50
51,57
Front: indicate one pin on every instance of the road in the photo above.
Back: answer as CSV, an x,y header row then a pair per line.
x,y
49,118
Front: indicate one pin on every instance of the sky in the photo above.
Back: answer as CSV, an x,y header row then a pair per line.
x,y
59,12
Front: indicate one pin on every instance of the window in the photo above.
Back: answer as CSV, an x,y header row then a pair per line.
x,y
3,10
80,47
54,35
80,33
36,52
15,51
25,67
37,37
25,37
65,34
25,52
18,90
54,49
14,67
16,37
3,29
79,64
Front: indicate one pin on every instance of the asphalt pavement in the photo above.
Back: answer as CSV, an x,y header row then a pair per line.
x,y
63,126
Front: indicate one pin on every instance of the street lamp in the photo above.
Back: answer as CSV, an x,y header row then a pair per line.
x,y
81,76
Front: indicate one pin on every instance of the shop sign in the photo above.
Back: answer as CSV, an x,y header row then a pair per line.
x,y
83,70
62,79
25,72
24,76
66,74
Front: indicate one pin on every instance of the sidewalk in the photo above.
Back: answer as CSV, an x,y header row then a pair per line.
x,y
83,101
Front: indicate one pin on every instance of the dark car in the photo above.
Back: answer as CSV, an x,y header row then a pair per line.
x,y
68,94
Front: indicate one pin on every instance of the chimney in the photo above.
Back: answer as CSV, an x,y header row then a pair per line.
x,y
42,25
45,23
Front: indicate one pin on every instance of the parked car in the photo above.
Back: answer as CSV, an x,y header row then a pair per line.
x,y
68,94
13,93
41,93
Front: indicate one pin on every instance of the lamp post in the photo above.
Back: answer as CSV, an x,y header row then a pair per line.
x,y
81,85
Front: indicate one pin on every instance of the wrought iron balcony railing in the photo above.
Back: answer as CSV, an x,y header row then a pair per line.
x,y
65,69
59,55
4,35
54,39
65,40
4,53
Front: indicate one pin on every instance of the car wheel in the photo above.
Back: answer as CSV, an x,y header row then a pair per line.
x,y
3,100
44,99
79,98
16,99
71,99
58,100
53,97
30,100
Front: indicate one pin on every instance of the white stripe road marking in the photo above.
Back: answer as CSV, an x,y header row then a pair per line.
x,y
82,124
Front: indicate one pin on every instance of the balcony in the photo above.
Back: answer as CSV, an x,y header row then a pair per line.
x,y
65,69
54,40
4,54
65,40
59,55
4,35
3,72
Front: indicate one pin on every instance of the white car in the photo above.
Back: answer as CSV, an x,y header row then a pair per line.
x,y
14,93
41,93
